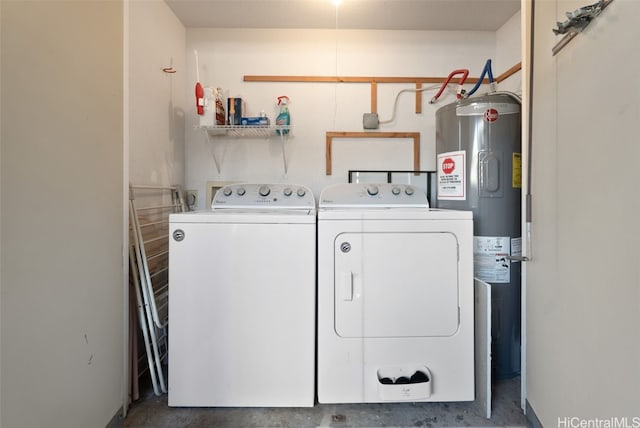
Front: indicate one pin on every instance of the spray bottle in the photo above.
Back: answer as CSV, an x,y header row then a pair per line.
x,y
283,119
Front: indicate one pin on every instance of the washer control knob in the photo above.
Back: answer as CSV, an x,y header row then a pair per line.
x,y
372,189
241,191
227,191
301,192
287,191
409,190
395,190
264,190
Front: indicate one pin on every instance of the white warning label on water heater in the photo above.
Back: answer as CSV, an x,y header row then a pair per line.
x,y
452,176
491,258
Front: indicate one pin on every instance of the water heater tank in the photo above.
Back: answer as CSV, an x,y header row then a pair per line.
x,y
478,148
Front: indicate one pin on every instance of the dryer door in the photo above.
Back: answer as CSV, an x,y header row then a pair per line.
x,y
396,284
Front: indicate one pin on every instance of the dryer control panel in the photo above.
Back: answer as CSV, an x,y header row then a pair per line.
x,y
373,195
261,196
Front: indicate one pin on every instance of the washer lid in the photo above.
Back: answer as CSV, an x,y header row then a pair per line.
x,y
373,195
264,197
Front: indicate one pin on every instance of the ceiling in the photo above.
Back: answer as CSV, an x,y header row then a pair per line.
x,y
454,15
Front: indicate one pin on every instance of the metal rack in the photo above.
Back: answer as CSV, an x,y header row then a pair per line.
x,y
246,131
576,22
149,209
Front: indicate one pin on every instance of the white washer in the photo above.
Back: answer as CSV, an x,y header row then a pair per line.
x,y
395,297
242,299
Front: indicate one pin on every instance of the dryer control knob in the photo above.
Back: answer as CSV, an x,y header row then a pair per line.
x,y
287,191
241,191
409,191
395,190
301,192
372,189
264,190
227,191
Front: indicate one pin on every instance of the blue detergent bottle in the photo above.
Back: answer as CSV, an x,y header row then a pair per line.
x,y
283,119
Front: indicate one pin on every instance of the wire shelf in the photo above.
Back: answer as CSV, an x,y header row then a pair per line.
x,y
253,131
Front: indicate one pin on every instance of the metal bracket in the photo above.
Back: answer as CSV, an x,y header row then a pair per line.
x,y
518,258
577,21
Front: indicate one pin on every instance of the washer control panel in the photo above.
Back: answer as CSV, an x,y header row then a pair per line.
x,y
261,196
373,195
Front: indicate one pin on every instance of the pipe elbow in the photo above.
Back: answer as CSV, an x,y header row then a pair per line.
x,y
465,74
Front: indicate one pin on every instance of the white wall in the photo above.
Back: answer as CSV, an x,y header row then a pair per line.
x,y
509,53
1,317
584,281
62,213
226,55
156,99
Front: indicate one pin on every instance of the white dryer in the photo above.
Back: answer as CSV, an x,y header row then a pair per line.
x,y
242,299
395,297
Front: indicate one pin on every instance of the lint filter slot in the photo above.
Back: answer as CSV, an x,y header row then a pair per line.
x,y
404,383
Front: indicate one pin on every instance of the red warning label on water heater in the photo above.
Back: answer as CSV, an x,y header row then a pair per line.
x,y
451,176
491,115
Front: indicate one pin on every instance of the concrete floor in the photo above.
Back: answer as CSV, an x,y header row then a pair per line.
x,y
151,411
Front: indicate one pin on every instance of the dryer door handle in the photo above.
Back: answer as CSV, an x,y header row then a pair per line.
x,y
347,286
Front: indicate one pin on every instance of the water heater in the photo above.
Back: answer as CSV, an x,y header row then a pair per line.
x,y
478,148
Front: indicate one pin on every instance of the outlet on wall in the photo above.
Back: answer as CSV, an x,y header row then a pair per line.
x,y
191,199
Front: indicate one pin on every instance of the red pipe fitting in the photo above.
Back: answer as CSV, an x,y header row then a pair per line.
x,y
465,74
